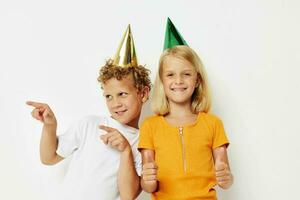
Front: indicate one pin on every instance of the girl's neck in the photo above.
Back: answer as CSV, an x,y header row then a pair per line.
x,y
180,115
180,110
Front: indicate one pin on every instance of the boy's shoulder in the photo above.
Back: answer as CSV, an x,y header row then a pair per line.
x,y
106,120
92,119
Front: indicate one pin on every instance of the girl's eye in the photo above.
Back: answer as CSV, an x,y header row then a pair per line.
x,y
169,75
187,74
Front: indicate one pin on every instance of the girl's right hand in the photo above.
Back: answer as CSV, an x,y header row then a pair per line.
x,y
42,112
149,173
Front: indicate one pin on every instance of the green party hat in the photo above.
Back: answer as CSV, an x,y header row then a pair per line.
x,y
172,36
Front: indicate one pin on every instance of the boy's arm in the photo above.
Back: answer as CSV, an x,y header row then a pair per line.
x,y
222,168
128,180
48,143
149,181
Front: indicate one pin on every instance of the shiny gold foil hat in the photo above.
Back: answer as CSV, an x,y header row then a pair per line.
x,y
126,55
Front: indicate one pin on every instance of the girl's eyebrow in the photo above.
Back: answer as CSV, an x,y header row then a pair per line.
x,y
188,70
168,71
185,70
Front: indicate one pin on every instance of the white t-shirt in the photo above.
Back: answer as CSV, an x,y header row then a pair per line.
x,y
92,173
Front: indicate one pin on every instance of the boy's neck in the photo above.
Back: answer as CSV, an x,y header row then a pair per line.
x,y
134,123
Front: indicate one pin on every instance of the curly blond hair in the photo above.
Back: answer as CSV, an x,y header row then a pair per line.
x,y
140,74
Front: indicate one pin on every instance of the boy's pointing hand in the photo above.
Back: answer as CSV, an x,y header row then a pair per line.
x,y
114,139
42,112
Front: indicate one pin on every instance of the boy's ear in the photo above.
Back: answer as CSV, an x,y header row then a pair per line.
x,y
145,93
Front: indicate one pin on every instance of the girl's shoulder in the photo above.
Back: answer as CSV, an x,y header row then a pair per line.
x,y
153,120
209,117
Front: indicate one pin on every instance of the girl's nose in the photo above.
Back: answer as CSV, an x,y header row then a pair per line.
x,y
178,80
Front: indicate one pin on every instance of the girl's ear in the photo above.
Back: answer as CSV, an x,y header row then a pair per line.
x,y
145,93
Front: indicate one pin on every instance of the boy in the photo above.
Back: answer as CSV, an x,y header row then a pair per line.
x,y
102,170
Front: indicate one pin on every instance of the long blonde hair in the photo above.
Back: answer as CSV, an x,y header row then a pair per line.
x,y
201,98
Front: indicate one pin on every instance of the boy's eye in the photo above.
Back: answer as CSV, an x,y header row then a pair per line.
x,y
123,94
108,97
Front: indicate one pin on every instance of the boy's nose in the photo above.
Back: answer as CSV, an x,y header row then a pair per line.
x,y
117,103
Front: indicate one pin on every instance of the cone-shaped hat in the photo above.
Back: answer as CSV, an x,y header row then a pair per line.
x,y
126,55
172,36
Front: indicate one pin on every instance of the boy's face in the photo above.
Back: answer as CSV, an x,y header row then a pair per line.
x,y
124,101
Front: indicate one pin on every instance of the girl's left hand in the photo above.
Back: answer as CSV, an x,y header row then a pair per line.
x,y
223,175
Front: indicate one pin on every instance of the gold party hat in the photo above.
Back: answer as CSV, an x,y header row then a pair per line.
x,y
126,55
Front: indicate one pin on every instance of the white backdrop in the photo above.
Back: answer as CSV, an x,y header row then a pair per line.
x,y
51,51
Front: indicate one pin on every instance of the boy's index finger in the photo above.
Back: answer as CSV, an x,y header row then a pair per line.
x,y
107,128
35,104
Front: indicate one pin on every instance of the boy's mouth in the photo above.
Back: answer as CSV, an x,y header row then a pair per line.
x,y
121,112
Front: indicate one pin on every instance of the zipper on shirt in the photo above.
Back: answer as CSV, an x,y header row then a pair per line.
x,y
183,148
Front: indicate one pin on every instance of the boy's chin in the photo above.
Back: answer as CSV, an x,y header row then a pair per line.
x,y
121,119
127,122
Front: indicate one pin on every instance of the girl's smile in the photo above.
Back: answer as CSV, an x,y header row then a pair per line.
x,y
179,80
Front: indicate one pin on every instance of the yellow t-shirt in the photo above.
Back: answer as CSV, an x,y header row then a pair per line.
x,y
184,156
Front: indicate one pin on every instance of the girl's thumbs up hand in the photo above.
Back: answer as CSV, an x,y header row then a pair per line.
x,y
223,175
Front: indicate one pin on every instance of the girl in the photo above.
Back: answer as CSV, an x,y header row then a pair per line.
x,y
183,147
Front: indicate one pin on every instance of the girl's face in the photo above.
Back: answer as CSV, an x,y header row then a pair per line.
x,y
179,79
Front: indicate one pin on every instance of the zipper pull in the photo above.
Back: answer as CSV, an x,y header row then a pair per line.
x,y
180,130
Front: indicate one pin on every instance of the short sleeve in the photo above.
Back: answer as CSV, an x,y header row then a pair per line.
x,y
146,136
69,141
219,135
137,160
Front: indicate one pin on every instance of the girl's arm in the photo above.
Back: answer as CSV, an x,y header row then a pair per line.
x,y
223,173
149,181
128,180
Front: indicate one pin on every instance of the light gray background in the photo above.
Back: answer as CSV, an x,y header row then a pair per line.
x,y
51,51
